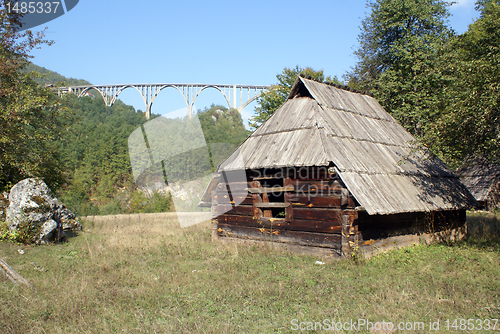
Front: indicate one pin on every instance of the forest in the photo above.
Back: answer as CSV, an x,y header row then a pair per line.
x,y
441,86
95,154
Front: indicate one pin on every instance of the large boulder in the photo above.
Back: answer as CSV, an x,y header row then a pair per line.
x,y
34,210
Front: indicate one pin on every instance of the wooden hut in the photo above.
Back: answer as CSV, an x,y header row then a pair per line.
x,y
331,170
482,178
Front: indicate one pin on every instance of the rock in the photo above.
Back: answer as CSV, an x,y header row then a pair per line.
x,y
48,229
67,218
33,208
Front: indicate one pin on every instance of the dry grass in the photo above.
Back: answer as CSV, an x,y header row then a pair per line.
x,y
136,231
484,225
144,274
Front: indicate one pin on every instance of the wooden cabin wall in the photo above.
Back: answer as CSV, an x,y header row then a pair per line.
x,y
315,209
384,226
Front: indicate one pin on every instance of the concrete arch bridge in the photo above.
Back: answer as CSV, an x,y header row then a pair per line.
x,y
237,96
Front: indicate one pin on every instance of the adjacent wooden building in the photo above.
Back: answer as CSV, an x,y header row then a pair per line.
x,y
482,178
331,170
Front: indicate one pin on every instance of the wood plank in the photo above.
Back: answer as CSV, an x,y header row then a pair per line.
x,y
346,247
238,198
266,178
272,205
213,208
257,213
269,190
245,210
224,191
272,220
333,215
352,213
292,237
287,182
318,226
321,188
318,202
265,199
14,276
345,197
233,186
274,223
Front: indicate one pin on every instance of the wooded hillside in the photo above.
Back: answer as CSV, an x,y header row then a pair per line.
x,y
93,150
96,157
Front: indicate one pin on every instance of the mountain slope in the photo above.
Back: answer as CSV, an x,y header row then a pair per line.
x,y
53,78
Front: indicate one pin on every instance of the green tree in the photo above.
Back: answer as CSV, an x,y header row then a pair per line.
x,y
221,125
482,5
470,121
224,131
95,155
29,113
397,54
277,94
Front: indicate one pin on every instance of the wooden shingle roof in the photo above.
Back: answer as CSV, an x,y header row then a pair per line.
x,y
480,175
376,158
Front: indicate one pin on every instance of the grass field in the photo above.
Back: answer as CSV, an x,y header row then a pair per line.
x,y
144,274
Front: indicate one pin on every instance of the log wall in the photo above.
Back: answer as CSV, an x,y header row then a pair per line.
x,y
311,209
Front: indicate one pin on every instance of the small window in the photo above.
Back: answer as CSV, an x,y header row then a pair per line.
x,y
271,199
275,197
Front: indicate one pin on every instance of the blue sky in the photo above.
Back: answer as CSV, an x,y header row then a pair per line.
x,y
221,42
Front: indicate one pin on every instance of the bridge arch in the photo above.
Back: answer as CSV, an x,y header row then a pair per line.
x,y
121,89
206,87
249,101
162,87
81,93
109,99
